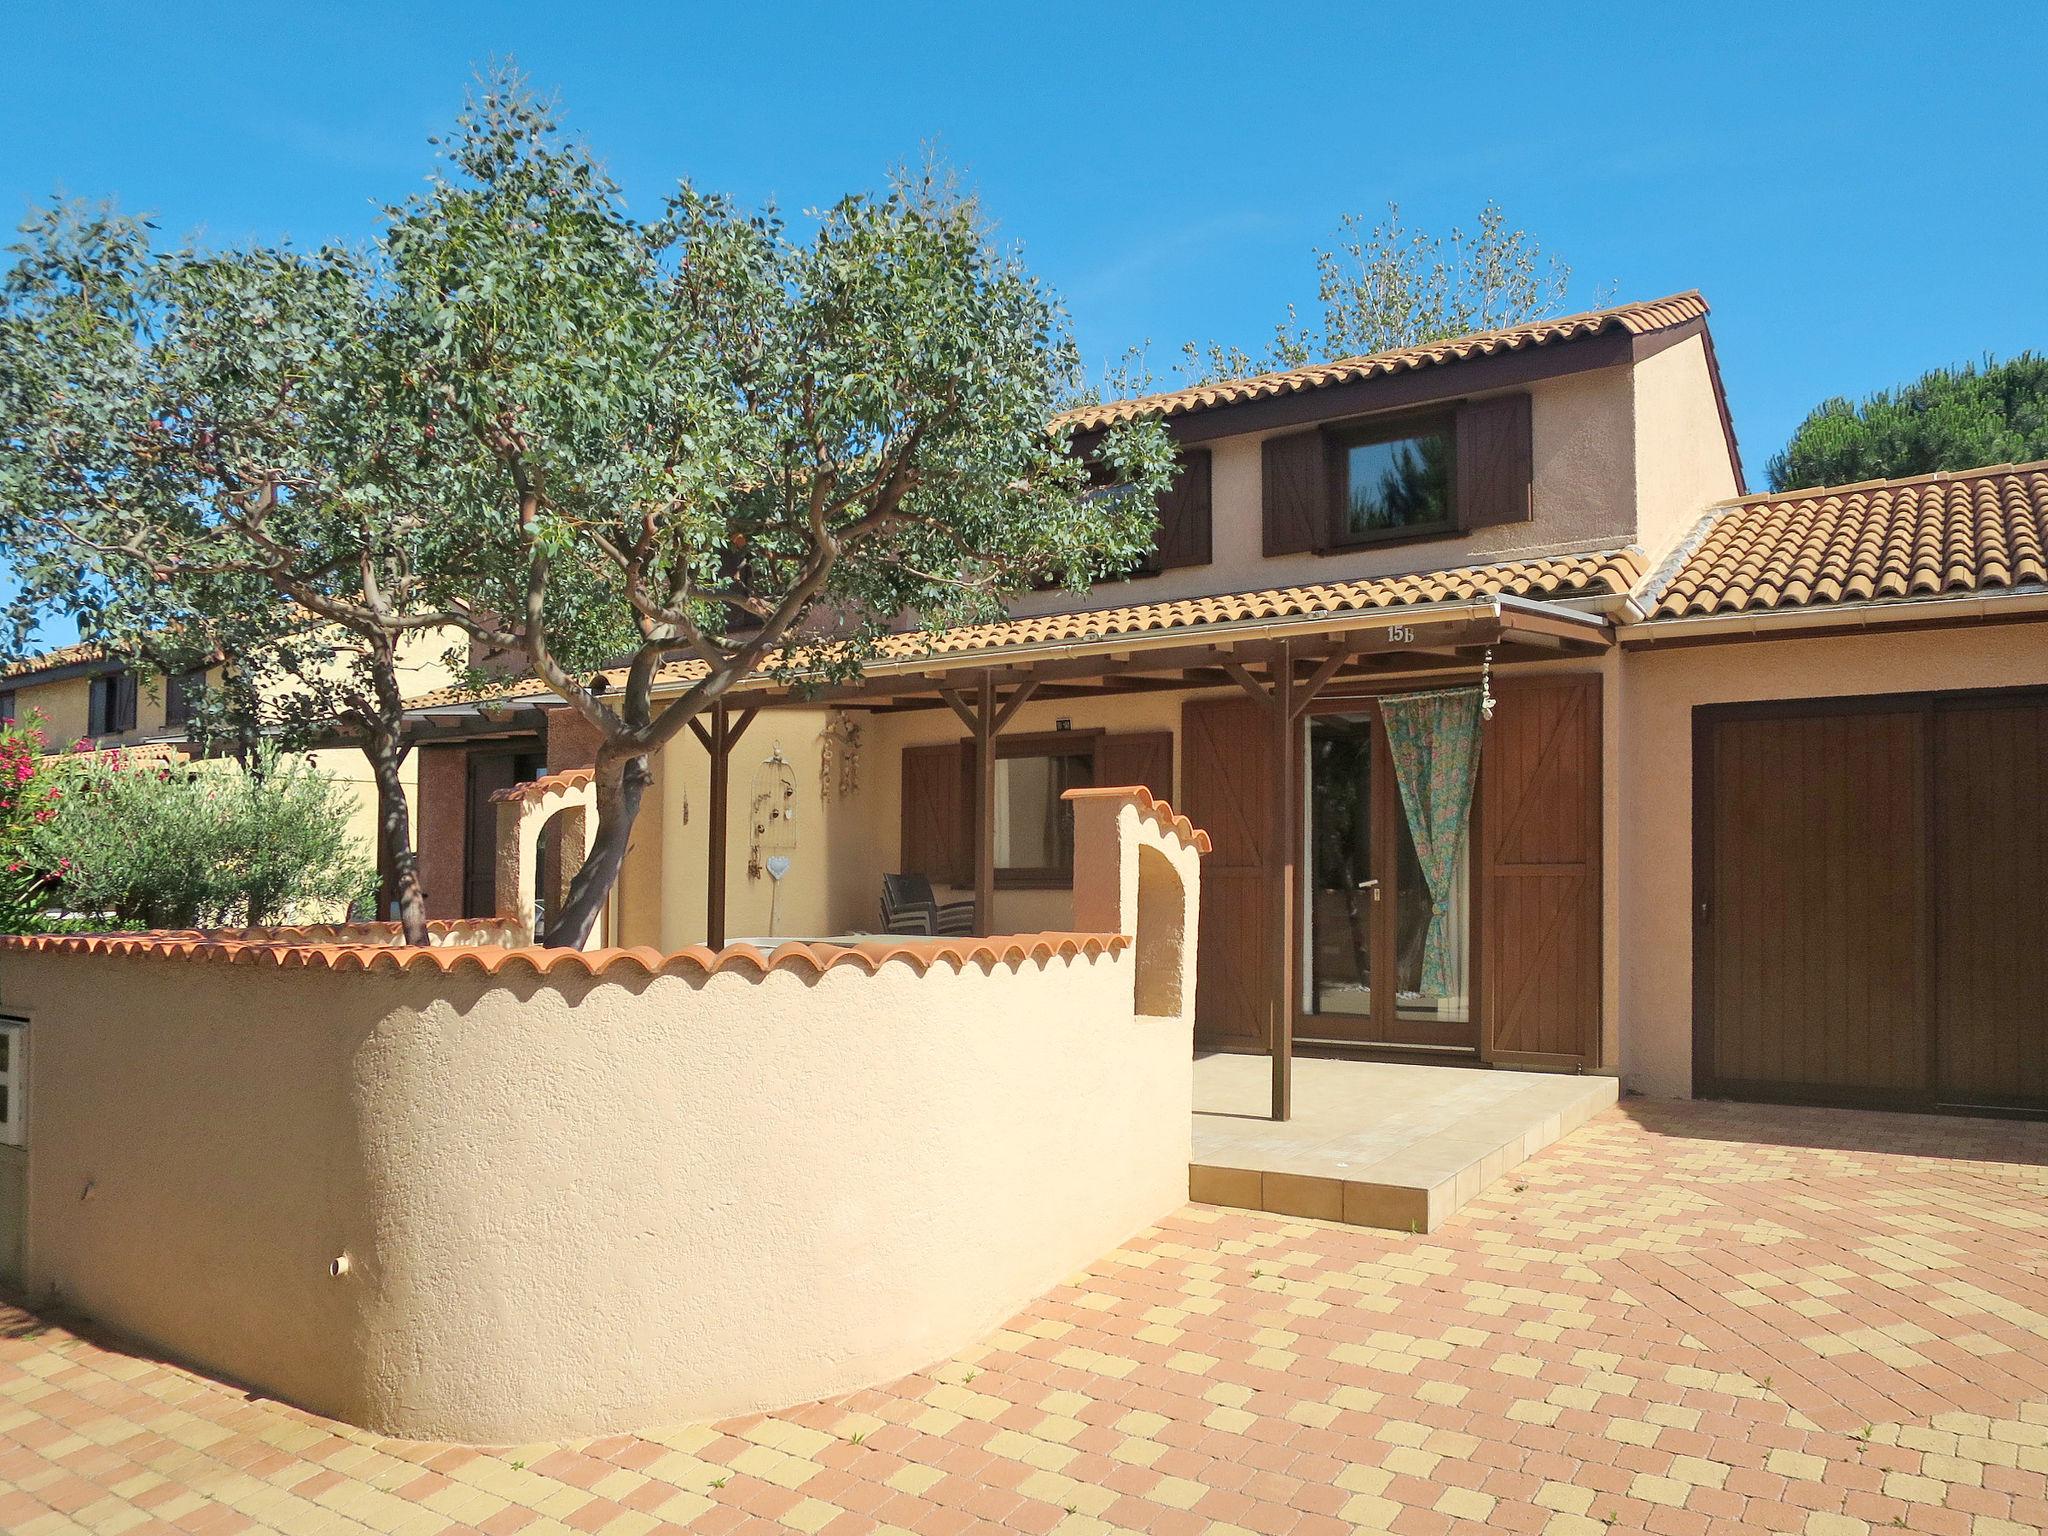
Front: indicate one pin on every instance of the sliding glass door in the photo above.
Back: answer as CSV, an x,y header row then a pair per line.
x,y
1389,933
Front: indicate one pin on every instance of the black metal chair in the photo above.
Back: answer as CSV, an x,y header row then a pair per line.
x,y
909,905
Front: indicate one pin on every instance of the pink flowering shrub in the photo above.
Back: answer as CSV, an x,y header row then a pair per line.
x,y
29,798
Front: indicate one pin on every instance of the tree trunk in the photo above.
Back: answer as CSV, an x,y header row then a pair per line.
x,y
394,829
620,784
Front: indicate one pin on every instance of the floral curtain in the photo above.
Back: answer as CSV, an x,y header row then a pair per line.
x,y
1434,738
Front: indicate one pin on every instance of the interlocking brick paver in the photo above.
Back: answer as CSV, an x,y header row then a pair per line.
x,y
1682,1318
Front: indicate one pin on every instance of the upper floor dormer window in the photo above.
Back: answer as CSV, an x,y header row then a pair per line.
x,y
1393,480
1414,476
110,709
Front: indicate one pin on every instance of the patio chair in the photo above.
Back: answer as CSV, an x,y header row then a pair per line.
x,y
910,906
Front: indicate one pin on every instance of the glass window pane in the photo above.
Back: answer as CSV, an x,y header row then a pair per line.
x,y
1404,482
1034,826
1340,766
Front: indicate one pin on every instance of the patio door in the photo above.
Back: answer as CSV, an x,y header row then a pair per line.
x,y
1368,907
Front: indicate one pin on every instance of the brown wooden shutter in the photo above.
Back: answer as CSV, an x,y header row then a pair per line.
x,y
1184,517
937,838
1228,782
1538,858
1137,757
122,686
1495,466
1296,493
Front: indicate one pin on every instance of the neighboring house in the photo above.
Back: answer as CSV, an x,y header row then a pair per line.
x,y
89,700
1759,808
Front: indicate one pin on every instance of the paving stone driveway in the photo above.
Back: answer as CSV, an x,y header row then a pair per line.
x,y
1685,1317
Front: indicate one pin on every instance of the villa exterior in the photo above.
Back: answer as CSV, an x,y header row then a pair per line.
x,y
1524,733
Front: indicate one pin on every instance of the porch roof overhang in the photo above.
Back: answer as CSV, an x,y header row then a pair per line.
x,y
1385,642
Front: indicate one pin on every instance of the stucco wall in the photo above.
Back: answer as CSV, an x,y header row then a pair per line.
x,y
1681,452
664,888
1660,689
568,1205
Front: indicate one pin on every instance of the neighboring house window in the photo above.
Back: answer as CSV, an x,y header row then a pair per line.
x,y
111,708
7,707
179,692
1414,476
13,1082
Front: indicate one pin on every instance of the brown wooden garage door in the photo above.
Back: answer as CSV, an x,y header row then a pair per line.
x,y
1871,901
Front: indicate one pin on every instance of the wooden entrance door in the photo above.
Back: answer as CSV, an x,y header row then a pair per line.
x,y
1871,903
1227,779
1533,976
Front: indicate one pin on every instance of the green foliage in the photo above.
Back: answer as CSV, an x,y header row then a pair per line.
x,y
580,433
210,845
1387,286
706,431
28,803
1951,418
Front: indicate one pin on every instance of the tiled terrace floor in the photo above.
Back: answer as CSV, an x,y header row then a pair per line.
x,y
1681,1318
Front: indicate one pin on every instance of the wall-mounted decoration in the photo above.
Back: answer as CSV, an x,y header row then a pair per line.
x,y
839,756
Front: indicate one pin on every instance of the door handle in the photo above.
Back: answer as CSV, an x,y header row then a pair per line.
x,y
1370,885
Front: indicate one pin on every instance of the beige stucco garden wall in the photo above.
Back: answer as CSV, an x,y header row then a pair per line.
x,y
569,1205
500,1195
1659,690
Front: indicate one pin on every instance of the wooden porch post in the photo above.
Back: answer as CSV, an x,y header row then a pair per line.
x,y
1287,701
986,719
985,806
718,741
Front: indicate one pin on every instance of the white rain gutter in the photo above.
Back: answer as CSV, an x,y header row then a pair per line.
x,y
2009,603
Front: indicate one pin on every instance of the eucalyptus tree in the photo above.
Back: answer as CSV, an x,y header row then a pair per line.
x,y
215,460
1382,285
713,438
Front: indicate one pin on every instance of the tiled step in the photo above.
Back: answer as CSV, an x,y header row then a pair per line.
x,y
1375,1144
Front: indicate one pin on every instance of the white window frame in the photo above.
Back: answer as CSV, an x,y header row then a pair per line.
x,y
14,1078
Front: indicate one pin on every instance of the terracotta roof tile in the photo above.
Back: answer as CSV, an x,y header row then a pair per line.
x,y
869,955
1604,573
1879,541
1634,319
49,661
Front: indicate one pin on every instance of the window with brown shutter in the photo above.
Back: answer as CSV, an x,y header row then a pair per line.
x,y
1295,474
1496,462
110,706
1184,515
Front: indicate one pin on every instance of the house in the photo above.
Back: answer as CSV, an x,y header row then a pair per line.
x,y
89,699
1525,736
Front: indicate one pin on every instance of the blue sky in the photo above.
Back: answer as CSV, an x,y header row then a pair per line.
x,y
1860,190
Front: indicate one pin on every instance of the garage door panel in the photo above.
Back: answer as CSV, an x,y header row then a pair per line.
x,y
1816,907
1991,904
